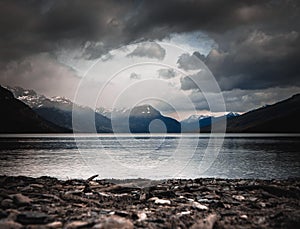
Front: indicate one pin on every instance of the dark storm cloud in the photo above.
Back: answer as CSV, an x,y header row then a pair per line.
x,y
30,27
260,60
258,41
201,81
191,62
40,26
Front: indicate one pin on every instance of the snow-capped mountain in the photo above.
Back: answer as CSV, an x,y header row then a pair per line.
x,y
115,112
138,120
59,110
194,118
35,100
194,122
232,114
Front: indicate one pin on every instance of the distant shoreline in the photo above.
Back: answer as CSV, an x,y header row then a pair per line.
x,y
200,203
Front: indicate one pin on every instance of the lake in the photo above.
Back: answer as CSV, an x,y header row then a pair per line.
x,y
265,156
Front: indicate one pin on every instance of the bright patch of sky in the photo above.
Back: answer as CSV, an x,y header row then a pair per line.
x,y
107,82
193,41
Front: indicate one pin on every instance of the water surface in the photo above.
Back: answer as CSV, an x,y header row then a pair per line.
x,y
264,156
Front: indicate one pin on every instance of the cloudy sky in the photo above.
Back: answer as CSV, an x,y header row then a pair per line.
x,y
176,55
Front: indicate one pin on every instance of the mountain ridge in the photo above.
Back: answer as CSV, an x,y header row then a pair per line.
x,y
280,117
17,117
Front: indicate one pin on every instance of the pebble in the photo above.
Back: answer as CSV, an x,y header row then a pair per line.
x,y
21,200
76,224
238,197
262,204
33,218
36,186
202,204
54,225
9,224
184,213
115,222
243,216
142,216
161,201
199,206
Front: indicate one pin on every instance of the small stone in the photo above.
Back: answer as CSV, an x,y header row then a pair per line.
x,y
184,213
199,206
253,199
74,192
142,216
32,218
54,225
9,224
12,214
207,223
227,206
21,200
88,194
262,204
103,194
115,222
161,201
243,216
39,186
7,203
93,183
77,224
238,197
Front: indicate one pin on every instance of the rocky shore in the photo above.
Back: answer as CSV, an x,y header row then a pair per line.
x,y
47,202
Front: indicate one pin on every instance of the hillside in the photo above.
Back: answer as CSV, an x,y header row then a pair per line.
x,y
17,117
281,117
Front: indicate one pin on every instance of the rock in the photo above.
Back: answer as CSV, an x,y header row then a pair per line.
x,y
115,222
243,216
93,183
21,200
33,218
9,224
184,213
238,197
207,223
54,225
199,206
38,186
161,201
12,214
142,216
74,192
253,199
76,224
262,204
7,203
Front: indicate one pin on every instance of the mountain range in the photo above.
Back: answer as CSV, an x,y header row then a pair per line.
x,y
281,117
25,111
17,117
58,110
194,122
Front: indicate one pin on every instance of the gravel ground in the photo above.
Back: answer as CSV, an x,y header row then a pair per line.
x,y
47,202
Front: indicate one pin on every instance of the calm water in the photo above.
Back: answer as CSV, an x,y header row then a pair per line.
x,y
151,156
